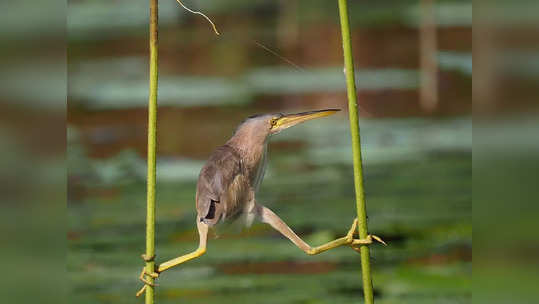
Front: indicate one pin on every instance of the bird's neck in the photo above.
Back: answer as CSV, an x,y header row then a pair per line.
x,y
251,154
252,150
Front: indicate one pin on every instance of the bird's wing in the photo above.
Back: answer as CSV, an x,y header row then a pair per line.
x,y
219,175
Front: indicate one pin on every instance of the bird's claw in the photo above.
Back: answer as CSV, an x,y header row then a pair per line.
x,y
144,273
154,275
378,239
147,258
146,282
351,231
357,243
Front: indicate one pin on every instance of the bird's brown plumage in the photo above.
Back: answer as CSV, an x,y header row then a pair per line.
x,y
222,186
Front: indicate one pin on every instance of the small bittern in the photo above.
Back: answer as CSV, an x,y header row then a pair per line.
x,y
229,180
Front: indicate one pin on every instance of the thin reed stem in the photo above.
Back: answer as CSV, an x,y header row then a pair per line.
x,y
356,149
152,126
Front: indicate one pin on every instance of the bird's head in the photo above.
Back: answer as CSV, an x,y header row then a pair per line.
x,y
265,125
280,122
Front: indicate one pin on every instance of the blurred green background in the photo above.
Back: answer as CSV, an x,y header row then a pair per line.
x,y
417,158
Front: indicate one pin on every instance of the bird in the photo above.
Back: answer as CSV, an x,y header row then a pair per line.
x,y
228,182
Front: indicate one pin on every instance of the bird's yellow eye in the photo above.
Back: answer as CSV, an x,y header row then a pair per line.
x,y
273,122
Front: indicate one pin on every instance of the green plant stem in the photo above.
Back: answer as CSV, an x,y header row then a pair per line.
x,y
152,126
356,149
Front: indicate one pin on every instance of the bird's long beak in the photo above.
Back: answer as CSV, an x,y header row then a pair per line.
x,y
290,120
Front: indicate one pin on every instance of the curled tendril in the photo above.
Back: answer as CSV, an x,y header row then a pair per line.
x,y
201,14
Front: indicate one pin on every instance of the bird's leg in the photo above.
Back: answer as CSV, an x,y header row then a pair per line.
x,y
269,217
203,234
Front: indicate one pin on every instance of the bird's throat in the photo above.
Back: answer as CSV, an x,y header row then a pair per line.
x,y
253,157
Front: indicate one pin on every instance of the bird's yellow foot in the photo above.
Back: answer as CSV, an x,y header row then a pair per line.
x,y
144,273
154,275
146,282
357,243
351,231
